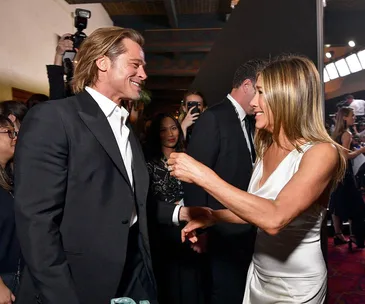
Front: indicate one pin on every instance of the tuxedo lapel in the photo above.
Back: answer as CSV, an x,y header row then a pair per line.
x,y
97,123
140,174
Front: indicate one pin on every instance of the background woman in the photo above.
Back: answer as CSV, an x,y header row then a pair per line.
x,y
346,201
10,257
177,281
287,198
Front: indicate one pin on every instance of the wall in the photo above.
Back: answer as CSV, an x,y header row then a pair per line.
x,y
28,36
258,29
345,85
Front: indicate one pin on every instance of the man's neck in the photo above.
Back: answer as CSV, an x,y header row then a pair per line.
x,y
107,93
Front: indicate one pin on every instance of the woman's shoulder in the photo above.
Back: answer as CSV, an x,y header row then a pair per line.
x,y
326,150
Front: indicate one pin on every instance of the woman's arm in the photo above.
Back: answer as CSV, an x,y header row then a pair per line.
x,y
304,188
346,139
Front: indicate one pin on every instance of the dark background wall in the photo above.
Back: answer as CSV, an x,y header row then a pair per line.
x,y
258,29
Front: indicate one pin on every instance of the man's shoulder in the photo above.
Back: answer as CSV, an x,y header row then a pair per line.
x,y
221,106
62,106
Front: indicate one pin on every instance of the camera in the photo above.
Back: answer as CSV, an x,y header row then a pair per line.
x,y
81,17
194,104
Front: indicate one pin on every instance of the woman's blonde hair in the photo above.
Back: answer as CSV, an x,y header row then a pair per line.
x,y
107,41
341,125
292,90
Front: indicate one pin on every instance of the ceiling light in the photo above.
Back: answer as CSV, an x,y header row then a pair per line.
x,y
342,67
353,63
332,71
352,43
326,78
361,56
330,54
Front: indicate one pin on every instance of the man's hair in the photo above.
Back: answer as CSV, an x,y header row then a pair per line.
x,y
349,97
247,70
13,107
107,41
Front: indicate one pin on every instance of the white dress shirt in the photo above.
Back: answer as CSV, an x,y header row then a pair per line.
x,y
358,105
241,114
117,117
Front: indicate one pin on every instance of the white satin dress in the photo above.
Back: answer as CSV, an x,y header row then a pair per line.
x,y
288,267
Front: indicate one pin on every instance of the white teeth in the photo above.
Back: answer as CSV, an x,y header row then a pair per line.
x,y
259,113
135,83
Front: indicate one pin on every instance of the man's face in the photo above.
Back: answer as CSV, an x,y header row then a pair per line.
x,y
349,100
196,98
249,93
125,76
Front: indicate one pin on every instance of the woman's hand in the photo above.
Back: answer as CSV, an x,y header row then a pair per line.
x,y
201,222
186,168
6,296
189,119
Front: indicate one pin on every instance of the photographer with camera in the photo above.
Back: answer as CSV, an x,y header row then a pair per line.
x,y
66,50
55,72
193,106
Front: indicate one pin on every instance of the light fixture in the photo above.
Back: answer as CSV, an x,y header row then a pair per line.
x,y
330,54
352,43
353,63
326,78
332,71
342,67
361,56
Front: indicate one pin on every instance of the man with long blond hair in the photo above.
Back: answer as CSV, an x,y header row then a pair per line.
x,y
82,184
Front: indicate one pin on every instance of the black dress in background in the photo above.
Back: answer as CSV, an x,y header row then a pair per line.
x,y
347,203
178,280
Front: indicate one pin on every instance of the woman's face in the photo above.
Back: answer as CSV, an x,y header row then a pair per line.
x,y
8,137
196,98
263,114
350,119
169,133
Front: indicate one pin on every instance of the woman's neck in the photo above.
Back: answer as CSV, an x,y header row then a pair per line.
x,y
167,151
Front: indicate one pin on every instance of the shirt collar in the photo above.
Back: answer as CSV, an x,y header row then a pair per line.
x,y
107,105
240,111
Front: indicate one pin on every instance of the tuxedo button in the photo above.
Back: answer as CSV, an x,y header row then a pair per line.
x,y
125,222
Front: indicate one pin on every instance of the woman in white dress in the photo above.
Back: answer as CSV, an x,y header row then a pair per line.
x,y
298,165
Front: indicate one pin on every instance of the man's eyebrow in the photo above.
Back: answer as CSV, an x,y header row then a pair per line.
x,y
142,62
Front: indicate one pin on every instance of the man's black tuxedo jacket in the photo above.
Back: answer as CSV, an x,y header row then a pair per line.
x,y
73,203
219,142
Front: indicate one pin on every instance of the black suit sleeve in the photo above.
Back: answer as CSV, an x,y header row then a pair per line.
x,y
56,83
204,147
41,160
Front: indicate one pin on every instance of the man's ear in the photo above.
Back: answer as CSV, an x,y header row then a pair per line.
x,y
103,63
12,118
246,84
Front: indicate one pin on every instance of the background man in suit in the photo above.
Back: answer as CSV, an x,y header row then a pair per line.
x,y
227,148
82,183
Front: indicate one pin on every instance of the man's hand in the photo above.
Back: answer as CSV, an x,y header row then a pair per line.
x,y
187,214
6,296
63,45
201,245
197,218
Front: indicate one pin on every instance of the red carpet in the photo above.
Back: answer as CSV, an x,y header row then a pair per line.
x,y
346,274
